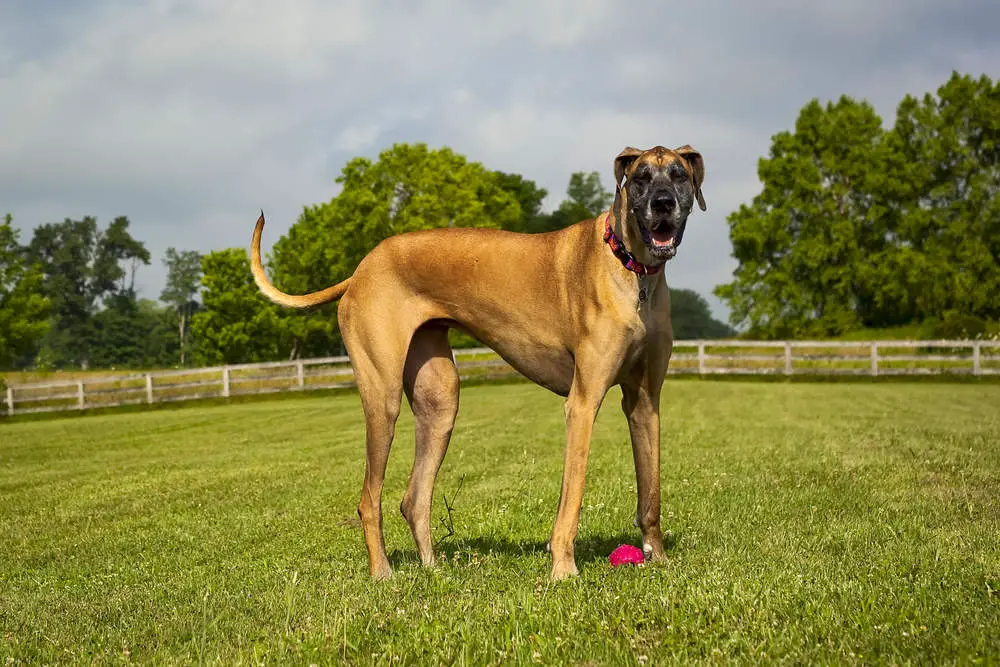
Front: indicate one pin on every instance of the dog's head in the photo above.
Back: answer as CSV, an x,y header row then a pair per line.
x,y
660,188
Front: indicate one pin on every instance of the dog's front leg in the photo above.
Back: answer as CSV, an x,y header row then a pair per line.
x,y
590,384
641,405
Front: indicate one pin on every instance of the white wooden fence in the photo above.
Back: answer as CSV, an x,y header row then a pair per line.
x,y
701,357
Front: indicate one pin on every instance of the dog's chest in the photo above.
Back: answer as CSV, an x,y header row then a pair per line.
x,y
647,324
639,331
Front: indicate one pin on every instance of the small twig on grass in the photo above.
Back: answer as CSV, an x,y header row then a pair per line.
x,y
449,524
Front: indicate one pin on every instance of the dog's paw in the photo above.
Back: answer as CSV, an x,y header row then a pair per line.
x,y
652,554
563,571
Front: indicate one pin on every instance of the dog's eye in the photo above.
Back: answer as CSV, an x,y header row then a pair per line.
x,y
678,174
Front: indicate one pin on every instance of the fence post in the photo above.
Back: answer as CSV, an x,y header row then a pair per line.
x,y
976,359
300,374
149,388
225,381
788,358
874,356
10,401
80,401
701,358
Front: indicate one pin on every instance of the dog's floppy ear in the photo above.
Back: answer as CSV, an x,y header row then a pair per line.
x,y
624,159
697,165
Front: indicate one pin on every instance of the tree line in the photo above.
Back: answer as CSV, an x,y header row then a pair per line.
x,y
858,227
863,227
68,298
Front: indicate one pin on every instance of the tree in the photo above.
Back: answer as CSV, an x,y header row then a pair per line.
x,y
410,187
64,252
82,266
237,324
115,247
183,282
24,309
585,198
586,194
160,334
529,197
857,226
117,338
800,242
945,261
133,333
692,319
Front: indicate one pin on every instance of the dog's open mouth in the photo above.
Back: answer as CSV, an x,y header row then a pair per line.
x,y
662,240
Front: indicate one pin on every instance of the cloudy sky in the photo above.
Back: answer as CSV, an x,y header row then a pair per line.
x,y
190,116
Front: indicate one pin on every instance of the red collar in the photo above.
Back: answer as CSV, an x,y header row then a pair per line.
x,y
623,255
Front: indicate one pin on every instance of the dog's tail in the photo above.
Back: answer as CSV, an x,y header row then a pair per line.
x,y
277,296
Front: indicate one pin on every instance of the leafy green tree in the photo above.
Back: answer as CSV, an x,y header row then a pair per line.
x,y
161,336
24,309
299,263
134,333
117,255
692,319
799,243
410,187
183,282
117,338
529,197
860,227
945,259
585,198
82,266
118,333
237,324
64,251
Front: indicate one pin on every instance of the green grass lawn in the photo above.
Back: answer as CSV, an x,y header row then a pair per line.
x,y
845,523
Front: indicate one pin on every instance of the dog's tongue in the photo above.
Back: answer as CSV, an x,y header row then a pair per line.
x,y
663,239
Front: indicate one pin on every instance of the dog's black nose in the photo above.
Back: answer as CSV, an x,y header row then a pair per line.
x,y
663,203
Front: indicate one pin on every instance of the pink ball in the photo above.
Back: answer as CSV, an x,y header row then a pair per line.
x,y
626,554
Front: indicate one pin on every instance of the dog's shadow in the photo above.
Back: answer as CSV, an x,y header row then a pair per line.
x,y
587,549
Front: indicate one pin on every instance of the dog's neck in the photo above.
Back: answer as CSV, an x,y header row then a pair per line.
x,y
615,241
647,276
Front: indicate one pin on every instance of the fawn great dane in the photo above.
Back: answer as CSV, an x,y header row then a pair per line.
x,y
577,311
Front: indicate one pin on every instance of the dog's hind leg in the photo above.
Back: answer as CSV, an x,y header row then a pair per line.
x,y
430,380
377,356
381,406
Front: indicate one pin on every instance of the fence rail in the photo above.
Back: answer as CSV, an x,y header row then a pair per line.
x,y
699,357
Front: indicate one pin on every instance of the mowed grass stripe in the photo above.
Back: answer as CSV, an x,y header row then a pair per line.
x,y
806,522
